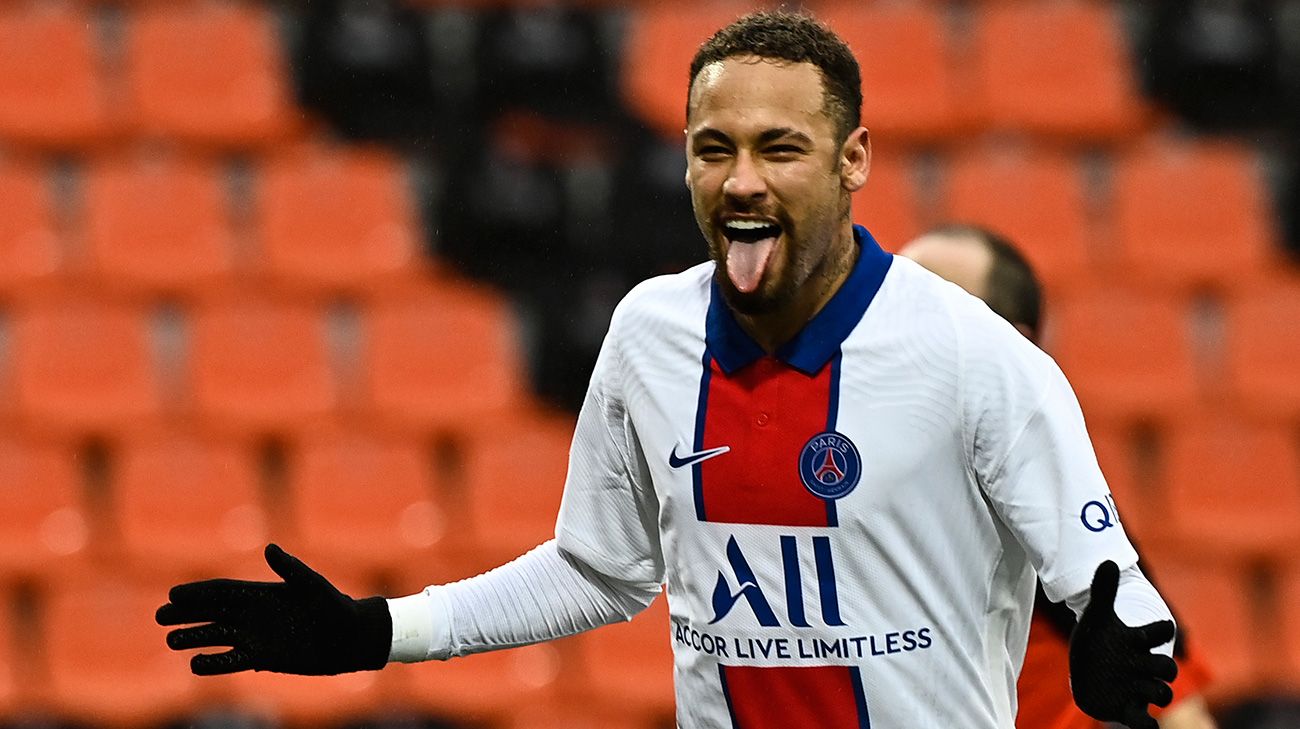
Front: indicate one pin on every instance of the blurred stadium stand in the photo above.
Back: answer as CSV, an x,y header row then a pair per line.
x,y
298,271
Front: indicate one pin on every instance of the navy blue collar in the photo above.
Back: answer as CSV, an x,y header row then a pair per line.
x,y
821,337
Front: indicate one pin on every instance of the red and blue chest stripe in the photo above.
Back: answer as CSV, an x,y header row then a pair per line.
x,y
766,408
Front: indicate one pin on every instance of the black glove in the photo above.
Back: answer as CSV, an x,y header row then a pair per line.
x,y
303,625
1113,673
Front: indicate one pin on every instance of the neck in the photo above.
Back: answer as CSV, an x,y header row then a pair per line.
x,y
771,330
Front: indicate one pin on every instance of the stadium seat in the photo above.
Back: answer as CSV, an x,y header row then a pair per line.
x,y
1191,215
908,85
1288,604
1262,349
1126,353
512,476
300,702
258,363
571,715
207,73
441,354
11,698
889,205
30,252
188,506
1233,486
51,82
1058,70
1034,197
107,661
1214,603
46,526
336,220
83,364
1140,507
365,500
157,225
661,40
644,682
485,688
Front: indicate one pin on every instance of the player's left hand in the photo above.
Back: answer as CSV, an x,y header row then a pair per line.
x,y
1113,673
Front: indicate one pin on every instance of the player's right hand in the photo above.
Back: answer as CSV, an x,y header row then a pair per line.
x,y
302,624
1114,676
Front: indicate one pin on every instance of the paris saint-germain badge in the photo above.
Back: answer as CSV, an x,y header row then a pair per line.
x,y
829,465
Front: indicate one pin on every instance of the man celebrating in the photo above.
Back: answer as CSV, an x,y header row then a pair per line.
x,y
846,470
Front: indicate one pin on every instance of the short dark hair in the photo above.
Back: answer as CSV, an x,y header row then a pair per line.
x,y
1012,290
795,38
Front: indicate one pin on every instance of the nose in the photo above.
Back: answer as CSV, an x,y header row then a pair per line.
x,y
745,184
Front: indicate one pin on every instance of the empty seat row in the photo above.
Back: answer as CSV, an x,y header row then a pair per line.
x,y
1057,70
1172,215
207,73
427,355
325,221
363,499
92,654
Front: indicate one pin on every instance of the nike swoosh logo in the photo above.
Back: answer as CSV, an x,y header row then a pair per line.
x,y
677,461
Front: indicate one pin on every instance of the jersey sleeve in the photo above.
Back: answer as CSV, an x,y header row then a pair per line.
x,y
609,512
1030,452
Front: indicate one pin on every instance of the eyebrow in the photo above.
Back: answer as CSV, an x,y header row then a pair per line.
x,y
766,137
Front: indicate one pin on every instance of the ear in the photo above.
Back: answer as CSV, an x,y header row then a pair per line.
x,y
855,160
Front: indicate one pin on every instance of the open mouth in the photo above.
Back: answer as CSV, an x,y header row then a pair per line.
x,y
749,251
750,231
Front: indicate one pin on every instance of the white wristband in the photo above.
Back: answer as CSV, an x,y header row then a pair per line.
x,y
419,624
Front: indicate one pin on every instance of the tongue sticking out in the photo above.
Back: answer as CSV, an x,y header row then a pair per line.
x,y
746,263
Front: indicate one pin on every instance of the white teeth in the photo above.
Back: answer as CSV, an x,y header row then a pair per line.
x,y
747,224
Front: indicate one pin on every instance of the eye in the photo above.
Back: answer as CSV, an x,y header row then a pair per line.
x,y
784,150
712,152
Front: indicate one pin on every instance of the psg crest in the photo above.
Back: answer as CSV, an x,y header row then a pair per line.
x,y
829,465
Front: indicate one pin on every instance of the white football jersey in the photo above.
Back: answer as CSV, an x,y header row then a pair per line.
x,y
849,528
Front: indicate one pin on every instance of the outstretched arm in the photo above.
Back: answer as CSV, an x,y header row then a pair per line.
x,y
304,625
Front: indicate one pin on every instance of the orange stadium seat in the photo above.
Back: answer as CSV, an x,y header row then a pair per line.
x,y
1263,349
29,244
1058,69
82,364
1288,603
512,476
365,500
569,715
908,85
661,40
339,220
46,526
1139,508
51,85
157,225
1035,199
301,702
1213,600
441,354
889,204
1126,354
643,653
10,690
207,73
107,660
259,363
187,506
485,688
1234,486
1191,215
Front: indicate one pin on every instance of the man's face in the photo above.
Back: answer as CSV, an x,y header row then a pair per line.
x,y
766,176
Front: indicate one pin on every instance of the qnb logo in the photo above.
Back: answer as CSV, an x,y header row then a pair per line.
x,y
1098,516
751,592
